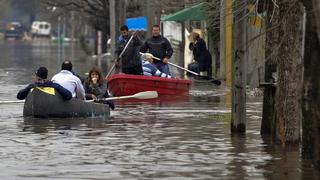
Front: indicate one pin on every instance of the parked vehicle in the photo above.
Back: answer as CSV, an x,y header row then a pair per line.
x,y
13,30
40,29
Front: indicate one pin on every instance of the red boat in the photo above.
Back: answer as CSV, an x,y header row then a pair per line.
x,y
127,84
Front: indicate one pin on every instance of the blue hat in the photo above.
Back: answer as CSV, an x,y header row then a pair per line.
x,y
42,72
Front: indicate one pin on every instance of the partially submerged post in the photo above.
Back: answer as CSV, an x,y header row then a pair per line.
x,y
238,118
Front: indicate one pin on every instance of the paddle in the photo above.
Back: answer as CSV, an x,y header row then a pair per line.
x,y
214,81
125,47
10,102
140,95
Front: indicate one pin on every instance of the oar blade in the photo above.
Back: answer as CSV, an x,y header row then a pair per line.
x,y
210,79
146,95
216,82
12,102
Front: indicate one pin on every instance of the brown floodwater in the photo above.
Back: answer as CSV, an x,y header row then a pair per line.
x,y
173,138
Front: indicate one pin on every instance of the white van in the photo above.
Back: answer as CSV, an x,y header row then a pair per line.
x,y
40,28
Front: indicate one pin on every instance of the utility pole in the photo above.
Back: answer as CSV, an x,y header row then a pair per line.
x,y
112,6
99,48
222,59
72,35
63,36
228,14
238,118
149,17
59,41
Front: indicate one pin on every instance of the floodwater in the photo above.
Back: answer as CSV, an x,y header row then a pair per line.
x,y
184,138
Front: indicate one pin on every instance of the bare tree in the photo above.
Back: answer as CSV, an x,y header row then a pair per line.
x,y
289,93
311,99
96,12
5,5
290,68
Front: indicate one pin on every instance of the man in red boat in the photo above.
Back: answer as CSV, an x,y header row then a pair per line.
x,y
149,69
130,58
160,47
45,85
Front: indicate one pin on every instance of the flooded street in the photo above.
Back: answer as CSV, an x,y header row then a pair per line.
x,y
185,138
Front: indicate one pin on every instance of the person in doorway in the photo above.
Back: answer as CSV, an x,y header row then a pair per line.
x,y
149,68
159,47
201,55
41,81
130,59
96,89
69,81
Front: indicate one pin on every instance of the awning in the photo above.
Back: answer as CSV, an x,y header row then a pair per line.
x,y
194,13
138,23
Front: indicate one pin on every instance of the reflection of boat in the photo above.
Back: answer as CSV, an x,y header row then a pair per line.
x,y
40,125
43,104
62,39
125,84
161,100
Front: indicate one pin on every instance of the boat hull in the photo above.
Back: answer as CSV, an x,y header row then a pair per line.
x,y
41,104
124,84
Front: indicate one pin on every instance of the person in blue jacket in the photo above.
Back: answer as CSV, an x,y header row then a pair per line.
x,y
41,81
149,69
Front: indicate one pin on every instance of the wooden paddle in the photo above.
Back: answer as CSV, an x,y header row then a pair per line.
x,y
140,95
125,47
214,81
11,102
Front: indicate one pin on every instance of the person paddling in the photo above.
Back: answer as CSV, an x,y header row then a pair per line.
x,y
160,47
127,52
41,81
96,88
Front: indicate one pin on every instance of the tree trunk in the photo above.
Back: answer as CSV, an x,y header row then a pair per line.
x,y
311,99
272,42
268,115
288,93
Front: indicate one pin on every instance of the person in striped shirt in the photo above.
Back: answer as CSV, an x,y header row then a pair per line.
x,y
149,69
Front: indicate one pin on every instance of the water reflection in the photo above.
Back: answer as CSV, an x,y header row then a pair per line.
x,y
172,138
39,125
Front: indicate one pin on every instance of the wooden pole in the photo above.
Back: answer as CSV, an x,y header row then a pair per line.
x,y
72,35
222,60
238,118
112,27
99,48
228,42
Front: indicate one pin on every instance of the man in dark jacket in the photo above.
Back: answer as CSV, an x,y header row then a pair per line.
x,y
130,58
159,47
41,81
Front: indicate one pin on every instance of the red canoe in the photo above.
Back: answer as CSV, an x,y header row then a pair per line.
x,y
125,84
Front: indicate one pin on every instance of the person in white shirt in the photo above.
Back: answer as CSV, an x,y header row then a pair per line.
x,y
69,81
